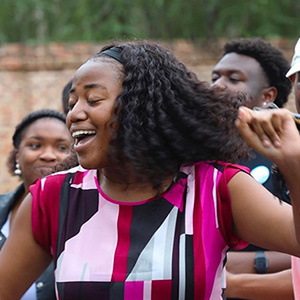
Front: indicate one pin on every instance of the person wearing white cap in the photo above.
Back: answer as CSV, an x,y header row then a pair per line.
x,y
294,75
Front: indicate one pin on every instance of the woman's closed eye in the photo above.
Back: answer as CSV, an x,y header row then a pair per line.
x,y
94,101
72,102
71,105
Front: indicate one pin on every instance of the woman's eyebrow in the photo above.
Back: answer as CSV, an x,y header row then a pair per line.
x,y
90,86
95,85
40,138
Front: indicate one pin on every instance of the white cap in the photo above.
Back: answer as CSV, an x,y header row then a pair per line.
x,y
295,62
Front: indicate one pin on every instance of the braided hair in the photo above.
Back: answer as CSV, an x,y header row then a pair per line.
x,y
166,117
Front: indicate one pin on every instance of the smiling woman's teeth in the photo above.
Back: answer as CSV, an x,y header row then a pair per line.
x,y
82,132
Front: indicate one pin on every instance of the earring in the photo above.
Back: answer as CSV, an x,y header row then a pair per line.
x,y
18,171
264,105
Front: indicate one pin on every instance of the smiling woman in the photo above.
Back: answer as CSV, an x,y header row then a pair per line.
x,y
42,144
157,200
93,96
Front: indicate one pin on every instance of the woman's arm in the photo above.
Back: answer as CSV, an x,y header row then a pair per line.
x,y
258,217
22,260
275,286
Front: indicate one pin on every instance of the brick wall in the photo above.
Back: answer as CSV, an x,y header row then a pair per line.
x,y
32,77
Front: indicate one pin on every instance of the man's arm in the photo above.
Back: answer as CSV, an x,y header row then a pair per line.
x,y
243,261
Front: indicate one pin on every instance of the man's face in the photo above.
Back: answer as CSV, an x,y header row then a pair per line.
x,y
240,73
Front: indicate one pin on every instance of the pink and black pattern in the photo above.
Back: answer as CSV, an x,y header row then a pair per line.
x,y
169,247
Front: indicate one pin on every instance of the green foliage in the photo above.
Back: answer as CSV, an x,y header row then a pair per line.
x,y
96,20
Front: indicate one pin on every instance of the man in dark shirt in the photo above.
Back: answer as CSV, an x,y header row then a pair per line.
x,y
257,68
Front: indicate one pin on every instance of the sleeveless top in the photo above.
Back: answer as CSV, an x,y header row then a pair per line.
x,y
169,247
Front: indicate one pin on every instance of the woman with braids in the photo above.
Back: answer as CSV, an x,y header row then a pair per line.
x,y
156,201
41,143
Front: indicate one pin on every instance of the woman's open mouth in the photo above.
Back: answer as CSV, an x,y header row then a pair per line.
x,y
81,137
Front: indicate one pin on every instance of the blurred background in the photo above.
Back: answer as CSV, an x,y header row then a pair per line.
x,y
42,43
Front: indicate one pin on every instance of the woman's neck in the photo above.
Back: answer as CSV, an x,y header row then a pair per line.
x,y
129,190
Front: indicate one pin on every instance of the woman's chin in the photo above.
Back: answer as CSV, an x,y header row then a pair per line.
x,y
89,164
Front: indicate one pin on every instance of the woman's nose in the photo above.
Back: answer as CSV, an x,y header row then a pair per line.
x,y
49,154
77,112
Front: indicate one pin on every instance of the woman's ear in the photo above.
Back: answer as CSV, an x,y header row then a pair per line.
x,y
17,170
16,156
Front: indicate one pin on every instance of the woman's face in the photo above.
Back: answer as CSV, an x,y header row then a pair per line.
x,y
96,85
45,143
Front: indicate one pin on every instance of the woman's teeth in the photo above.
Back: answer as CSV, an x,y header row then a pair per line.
x,y
82,133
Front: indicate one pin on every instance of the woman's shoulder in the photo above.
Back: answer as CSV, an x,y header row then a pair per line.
x,y
220,166
52,183
55,178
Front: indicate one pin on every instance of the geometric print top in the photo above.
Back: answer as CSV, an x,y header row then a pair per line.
x,y
169,247
296,276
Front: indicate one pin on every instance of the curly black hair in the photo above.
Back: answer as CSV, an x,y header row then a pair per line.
x,y
166,117
272,61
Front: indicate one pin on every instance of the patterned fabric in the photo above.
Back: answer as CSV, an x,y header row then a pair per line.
x,y
170,247
296,276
